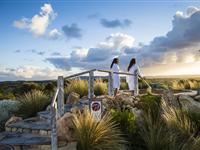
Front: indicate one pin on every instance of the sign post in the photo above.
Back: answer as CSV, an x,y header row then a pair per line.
x,y
96,109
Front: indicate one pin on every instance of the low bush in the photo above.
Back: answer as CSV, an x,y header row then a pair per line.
x,y
4,96
100,88
7,109
93,135
32,102
151,104
126,121
77,86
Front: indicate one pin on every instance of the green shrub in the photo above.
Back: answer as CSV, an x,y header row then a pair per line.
x,y
4,96
125,119
100,88
77,86
93,135
127,123
7,109
151,103
32,102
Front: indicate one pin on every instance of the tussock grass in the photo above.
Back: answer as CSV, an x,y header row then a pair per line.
x,y
77,86
93,135
100,88
32,102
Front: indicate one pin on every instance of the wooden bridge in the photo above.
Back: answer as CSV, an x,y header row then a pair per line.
x,y
23,133
57,110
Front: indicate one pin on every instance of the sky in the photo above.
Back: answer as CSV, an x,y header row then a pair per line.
x,y
40,40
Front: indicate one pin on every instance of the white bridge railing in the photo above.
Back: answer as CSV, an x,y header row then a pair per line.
x,y
57,104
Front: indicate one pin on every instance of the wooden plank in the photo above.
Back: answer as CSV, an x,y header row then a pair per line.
x,y
54,97
91,85
17,138
110,83
123,73
54,139
78,74
136,90
60,86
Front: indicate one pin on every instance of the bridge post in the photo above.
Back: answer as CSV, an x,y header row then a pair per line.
x,y
136,90
54,139
110,84
91,85
60,85
198,91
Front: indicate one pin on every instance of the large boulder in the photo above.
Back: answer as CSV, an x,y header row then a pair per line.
x,y
65,130
197,98
73,98
188,103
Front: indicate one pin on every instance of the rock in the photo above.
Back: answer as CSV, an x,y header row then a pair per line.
x,y
76,110
73,98
188,103
12,120
65,130
136,112
197,98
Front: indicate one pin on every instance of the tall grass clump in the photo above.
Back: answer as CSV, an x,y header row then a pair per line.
x,y
93,135
126,121
154,132
77,86
178,121
32,102
100,88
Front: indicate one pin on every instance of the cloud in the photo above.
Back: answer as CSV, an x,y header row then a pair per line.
x,y
96,57
54,34
30,72
39,22
36,52
178,48
93,16
115,23
17,51
72,31
59,62
55,54
179,43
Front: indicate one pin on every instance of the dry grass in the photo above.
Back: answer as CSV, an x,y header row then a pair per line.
x,y
92,135
100,88
32,102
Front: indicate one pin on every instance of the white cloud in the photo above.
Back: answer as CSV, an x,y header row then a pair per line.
x,y
54,34
31,72
39,22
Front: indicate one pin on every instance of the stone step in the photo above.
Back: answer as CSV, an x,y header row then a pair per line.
x,y
17,139
31,125
45,115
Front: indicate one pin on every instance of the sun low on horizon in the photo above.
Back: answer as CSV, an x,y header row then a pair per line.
x,y
41,40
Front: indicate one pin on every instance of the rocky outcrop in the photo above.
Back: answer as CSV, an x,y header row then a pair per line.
x,y
65,128
188,103
197,98
73,98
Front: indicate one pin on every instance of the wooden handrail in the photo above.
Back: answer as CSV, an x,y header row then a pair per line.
x,y
78,74
54,98
108,71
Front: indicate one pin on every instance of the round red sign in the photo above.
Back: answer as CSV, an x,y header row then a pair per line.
x,y
96,106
